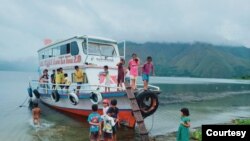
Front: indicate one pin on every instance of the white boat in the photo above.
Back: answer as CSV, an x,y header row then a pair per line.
x,y
90,54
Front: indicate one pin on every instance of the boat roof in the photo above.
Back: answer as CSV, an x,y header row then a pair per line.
x,y
90,38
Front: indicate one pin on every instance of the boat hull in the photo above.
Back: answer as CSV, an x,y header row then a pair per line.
x,y
83,108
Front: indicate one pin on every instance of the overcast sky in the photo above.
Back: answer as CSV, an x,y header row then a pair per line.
x,y
24,24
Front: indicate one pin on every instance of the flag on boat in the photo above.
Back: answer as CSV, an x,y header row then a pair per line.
x,y
47,41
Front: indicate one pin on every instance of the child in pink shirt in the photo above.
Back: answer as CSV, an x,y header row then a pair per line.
x,y
147,68
133,65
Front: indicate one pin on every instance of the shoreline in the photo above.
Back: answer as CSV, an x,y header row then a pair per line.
x,y
171,136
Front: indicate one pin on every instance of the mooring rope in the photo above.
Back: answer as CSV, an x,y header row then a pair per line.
x,y
22,105
152,123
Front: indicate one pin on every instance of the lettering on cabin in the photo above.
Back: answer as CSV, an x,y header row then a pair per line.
x,y
66,59
105,59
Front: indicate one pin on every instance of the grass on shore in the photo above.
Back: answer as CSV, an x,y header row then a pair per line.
x,y
196,135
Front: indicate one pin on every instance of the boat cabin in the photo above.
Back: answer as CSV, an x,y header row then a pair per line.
x,y
91,54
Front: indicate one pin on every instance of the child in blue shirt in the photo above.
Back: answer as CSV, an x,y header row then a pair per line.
x,y
94,120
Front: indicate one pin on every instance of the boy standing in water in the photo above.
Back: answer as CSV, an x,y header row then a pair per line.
x,y
94,120
105,103
36,111
108,123
147,68
183,131
114,114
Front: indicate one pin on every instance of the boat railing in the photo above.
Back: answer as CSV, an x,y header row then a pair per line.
x,y
71,87
83,87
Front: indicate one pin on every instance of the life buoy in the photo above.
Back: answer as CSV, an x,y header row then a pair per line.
x,y
95,97
36,93
73,98
148,103
55,96
30,92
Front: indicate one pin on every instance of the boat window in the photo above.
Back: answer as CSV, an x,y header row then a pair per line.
x,y
46,54
65,49
94,49
50,53
84,47
107,50
56,51
74,48
99,49
41,55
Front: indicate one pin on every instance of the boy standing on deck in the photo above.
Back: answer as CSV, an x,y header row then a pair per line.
x,y
53,80
67,82
79,78
147,68
105,74
58,78
121,74
94,120
133,66
36,111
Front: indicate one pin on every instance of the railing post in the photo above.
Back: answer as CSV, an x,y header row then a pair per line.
x,y
124,49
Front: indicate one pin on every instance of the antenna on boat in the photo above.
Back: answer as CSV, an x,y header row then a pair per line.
x,y
124,49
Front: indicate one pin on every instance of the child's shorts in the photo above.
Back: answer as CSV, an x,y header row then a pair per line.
x,y
94,135
145,77
107,135
114,129
133,77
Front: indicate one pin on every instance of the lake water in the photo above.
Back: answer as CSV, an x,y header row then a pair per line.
x,y
209,101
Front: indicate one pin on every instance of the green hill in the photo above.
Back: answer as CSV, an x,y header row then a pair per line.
x,y
177,59
194,60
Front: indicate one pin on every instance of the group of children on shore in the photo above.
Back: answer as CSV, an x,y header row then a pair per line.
x,y
105,125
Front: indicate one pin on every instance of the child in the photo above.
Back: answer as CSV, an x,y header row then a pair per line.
x,y
105,103
66,81
44,79
133,65
108,123
146,70
107,82
78,75
114,114
36,111
183,131
94,120
127,76
121,74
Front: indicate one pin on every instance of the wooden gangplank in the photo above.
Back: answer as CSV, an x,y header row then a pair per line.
x,y
137,114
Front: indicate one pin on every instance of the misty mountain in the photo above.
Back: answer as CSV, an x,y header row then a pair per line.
x,y
176,59
30,64
194,60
